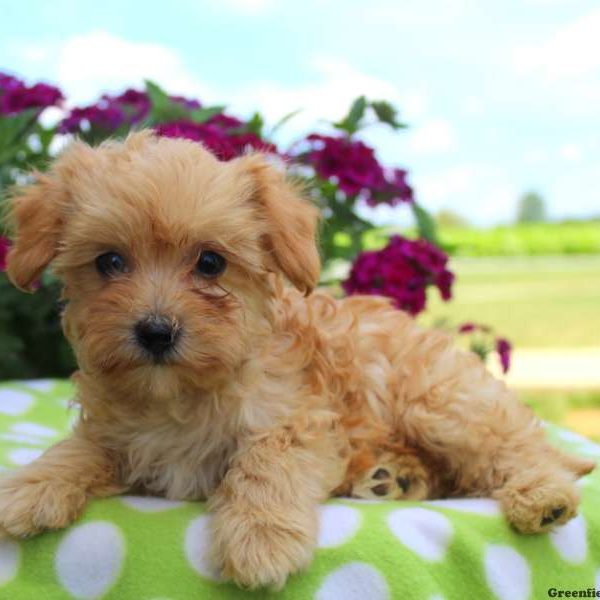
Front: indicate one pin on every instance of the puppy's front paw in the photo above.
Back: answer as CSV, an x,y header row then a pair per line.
x,y
255,552
28,507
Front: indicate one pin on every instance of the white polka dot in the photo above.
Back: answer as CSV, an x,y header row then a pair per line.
x,y
24,456
480,506
588,449
21,438
14,402
10,553
197,541
584,481
570,540
34,429
89,559
423,531
40,385
354,581
149,503
571,436
507,573
337,524
598,580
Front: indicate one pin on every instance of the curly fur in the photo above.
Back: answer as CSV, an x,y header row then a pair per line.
x,y
274,399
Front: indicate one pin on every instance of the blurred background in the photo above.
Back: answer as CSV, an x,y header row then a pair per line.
x,y
450,144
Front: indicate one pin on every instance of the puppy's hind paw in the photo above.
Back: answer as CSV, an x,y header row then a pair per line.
x,y
539,509
401,477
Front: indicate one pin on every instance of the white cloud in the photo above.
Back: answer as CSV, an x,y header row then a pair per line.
x,y
334,85
433,137
326,96
440,187
483,193
571,152
574,50
87,65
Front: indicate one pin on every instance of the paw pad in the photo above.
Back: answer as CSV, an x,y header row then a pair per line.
x,y
395,478
554,515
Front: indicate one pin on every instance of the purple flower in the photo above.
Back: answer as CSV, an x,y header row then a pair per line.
x,y
226,121
112,112
467,328
504,349
16,97
109,113
9,83
135,104
217,135
395,190
351,162
105,118
4,247
402,271
356,169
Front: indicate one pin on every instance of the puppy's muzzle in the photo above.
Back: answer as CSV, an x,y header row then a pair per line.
x,y
157,335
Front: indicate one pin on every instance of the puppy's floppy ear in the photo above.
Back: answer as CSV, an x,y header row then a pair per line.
x,y
291,224
36,214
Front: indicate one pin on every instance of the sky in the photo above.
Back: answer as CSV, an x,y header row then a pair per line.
x,y
501,97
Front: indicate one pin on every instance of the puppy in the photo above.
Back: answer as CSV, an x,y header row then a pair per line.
x,y
202,376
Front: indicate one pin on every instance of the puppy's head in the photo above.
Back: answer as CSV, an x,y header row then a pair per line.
x,y
164,253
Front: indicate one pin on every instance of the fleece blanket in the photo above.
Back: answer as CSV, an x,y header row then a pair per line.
x,y
141,548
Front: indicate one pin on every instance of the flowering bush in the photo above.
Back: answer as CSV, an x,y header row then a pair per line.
x,y
340,173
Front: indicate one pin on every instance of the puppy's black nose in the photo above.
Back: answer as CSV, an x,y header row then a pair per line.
x,y
156,334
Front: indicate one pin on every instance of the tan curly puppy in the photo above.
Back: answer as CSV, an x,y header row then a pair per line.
x,y
202,376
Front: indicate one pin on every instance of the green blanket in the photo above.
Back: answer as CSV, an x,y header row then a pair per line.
x,y
152,549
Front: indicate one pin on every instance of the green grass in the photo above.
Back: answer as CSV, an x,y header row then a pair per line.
x,y
562,407
554,405
537,302
533,239
527,239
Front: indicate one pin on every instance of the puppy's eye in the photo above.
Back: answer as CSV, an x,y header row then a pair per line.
x,y
210,264
110,264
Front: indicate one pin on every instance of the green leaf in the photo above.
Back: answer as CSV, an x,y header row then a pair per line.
x,y
255,124
351,122
480,348
14,131
425,224
386,113
163,109
158,97
201,115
